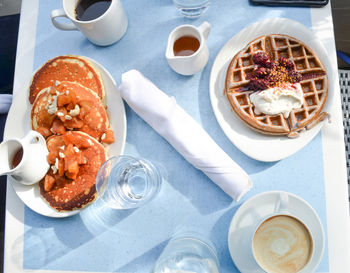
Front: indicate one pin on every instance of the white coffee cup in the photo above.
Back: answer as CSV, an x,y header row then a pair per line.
x,y
281,242
104,30
189,65
31,165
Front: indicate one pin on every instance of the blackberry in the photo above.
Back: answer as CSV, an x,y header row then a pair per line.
x,y
260,58
269,65
295,76
249,76
282,61
258,84
261,72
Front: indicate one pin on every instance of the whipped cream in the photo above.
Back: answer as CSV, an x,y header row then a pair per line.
x,y
278,100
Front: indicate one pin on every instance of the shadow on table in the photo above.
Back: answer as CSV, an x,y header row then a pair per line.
x,y
222,228
39,251
146,261
98,217
40,233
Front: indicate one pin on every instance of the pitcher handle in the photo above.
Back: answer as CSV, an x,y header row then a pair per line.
x,y
204,28
33,137
63,26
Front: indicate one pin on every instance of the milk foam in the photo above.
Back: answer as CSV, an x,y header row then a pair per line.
x,y
282,244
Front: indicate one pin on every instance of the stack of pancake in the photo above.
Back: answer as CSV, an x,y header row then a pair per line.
x,y
68,109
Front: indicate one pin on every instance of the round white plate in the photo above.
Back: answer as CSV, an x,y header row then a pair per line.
x,y
258,146
251,212
18,124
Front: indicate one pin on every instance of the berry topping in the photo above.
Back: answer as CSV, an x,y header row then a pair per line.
x,y
269,64
261,72
261,58
268,74
258,84
287,63
295,76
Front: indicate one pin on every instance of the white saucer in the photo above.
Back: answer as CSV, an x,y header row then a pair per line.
x,y
248,216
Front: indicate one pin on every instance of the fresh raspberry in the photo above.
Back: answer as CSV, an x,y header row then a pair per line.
x,y
260,58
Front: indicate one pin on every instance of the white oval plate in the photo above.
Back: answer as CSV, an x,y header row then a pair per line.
x,y
255,145
252,211
18,124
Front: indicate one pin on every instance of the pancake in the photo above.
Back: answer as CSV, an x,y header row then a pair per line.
x,y
277,62
75,159
73,107
66,68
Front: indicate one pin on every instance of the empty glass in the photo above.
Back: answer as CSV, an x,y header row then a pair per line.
x,y
192,8
125,182
187,253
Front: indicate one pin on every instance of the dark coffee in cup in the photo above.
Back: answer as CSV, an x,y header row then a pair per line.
x,y
87,10
282,243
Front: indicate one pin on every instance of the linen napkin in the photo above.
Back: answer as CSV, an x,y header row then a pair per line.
x,y
5,103
166,117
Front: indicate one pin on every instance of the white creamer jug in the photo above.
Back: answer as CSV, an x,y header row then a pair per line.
x,y
189,65
24,159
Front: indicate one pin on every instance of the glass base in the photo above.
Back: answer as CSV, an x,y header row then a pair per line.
x,y
187,255
125,182
192,11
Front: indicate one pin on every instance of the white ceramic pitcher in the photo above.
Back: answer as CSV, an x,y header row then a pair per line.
x,y
189,65
32,165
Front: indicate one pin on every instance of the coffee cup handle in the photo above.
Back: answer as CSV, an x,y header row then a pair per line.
x,y
63,26
282,203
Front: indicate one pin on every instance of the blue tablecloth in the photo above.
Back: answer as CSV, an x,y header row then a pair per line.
x,y
99,239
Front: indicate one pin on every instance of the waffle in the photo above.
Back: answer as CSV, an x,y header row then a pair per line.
x,y
314,84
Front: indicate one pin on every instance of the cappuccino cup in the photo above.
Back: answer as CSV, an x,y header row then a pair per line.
x,y
282,243
104,30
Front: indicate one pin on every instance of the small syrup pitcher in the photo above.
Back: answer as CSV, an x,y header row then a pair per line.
x,y
187,52
24,159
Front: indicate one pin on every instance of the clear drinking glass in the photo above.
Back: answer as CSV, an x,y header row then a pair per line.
x,y
125,182
192,8
187,253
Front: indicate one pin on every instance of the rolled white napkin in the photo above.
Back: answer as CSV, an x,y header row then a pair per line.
x,y
5,103
166,117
